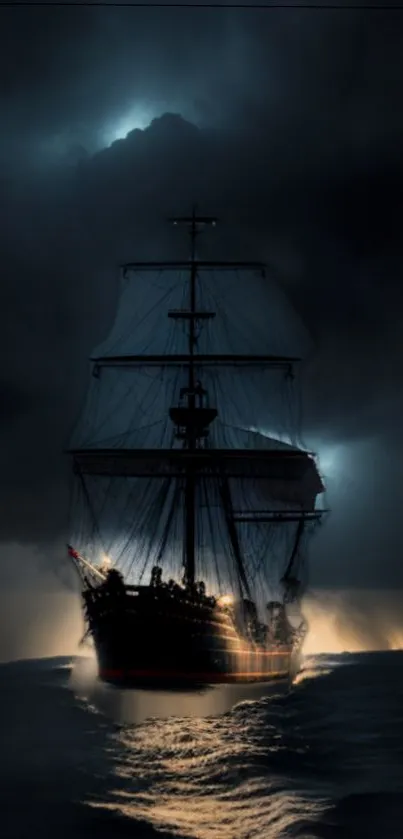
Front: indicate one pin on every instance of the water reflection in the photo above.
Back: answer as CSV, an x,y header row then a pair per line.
x,y
204,768
137,706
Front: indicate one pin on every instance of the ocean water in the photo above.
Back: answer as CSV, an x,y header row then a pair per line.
x,y
321,758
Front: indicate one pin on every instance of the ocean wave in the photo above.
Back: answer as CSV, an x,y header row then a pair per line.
x,y
322,758
302,763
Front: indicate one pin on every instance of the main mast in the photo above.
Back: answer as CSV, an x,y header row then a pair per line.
x,y
193,416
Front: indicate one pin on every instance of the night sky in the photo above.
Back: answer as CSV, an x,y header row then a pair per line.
x,y
288,125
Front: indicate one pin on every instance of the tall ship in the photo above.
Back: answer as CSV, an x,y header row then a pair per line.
x,y
194,499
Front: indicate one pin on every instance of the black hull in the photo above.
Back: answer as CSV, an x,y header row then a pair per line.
x,y
184,681
157,642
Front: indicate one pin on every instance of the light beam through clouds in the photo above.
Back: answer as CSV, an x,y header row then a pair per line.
x,y
138,117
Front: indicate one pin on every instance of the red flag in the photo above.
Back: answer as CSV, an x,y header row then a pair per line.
x,y
72,552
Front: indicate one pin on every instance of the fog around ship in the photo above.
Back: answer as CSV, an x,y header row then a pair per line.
x,y
36,623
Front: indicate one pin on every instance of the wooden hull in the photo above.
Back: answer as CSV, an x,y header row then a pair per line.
x,y
163,643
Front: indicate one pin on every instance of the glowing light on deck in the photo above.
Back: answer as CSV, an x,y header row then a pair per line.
x,y
105,562
226,600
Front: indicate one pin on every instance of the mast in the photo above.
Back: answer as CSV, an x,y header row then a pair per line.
x,y
191,437
190,480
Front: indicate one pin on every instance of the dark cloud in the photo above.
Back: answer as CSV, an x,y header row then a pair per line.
x,y
290,130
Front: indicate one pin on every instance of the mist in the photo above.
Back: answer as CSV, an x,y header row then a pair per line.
x,y
40,605
41,616
353,621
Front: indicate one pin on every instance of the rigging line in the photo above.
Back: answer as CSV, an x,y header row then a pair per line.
x,y
171,330
249,541
201,570
91,510
88,407
249,386
154,510
177,532
232,324
138,531
222,394
140,371
168,523
146,410
226,396
267,548
151,282
236,323
213,541
152,536
260,537
300,410
229,326
114,408
127,330
117,437
142,401
107,493
129,500
286,398
147,278
144,493
233,571
85,525
170,341
119,284
80,429
79,513
233,534
222,535
93,541
124,397
73,488
97,399
126,371
298,536
239,382
152,541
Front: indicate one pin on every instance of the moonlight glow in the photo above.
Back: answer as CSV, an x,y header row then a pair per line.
x,y
331,460
139,117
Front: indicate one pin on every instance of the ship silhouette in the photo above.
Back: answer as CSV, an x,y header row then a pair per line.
x,y
190,527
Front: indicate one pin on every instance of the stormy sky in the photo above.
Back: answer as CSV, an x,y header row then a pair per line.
x,y
285,123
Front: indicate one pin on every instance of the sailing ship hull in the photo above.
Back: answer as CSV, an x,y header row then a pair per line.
x,y
161,642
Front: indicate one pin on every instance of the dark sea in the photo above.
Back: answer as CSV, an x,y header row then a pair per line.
x,y
320,758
